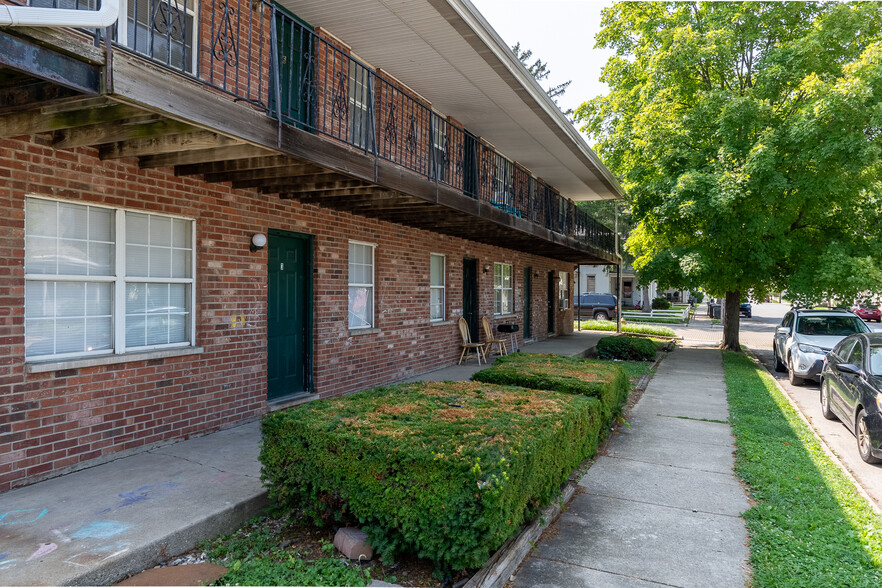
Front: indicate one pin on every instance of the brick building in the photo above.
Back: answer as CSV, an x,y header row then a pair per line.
x,y
401,167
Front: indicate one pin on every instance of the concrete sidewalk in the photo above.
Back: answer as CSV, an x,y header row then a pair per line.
x,y
662,506
95,526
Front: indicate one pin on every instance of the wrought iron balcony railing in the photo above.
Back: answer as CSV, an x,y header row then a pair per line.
x,y
259,53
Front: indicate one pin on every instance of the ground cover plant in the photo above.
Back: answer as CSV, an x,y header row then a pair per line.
x,y
593,325
810,527
603,380
627,348
445,470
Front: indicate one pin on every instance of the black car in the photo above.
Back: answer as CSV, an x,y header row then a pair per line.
x,y
746,309
851,390
594,305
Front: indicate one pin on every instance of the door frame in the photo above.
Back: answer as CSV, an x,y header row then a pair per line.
x,y
528,302
552,282
474,323
309,383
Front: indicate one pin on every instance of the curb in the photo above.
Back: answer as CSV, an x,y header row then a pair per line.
x,y
179,541
828,451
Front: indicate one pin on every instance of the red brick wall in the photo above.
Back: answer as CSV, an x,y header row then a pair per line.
x,y
58,420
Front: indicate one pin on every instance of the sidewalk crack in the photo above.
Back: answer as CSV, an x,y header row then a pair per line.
x,y
638,578
193,461
692,510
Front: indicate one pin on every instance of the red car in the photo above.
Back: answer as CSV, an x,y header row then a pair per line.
x,y
868,313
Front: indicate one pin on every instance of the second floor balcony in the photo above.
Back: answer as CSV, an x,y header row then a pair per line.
x,y
378,147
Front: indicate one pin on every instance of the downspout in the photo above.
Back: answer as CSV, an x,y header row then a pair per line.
x,y
29,16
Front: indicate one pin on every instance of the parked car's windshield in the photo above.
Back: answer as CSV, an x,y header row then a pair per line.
x,y
825,326
876,360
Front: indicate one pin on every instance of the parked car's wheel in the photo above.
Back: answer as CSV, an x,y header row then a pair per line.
x,y
601,316
749,315
863,439
879,320
779,365
791,375
825,401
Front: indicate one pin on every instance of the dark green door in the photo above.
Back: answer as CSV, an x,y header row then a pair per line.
x,y
470,295
295,48
551,302
528,301
289,324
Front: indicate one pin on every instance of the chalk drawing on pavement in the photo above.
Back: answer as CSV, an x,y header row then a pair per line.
x,y
22,517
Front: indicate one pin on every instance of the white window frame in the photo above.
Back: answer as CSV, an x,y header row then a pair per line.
x,y
501,294
438,287
120,280
122,29
563,290
359,100
370,287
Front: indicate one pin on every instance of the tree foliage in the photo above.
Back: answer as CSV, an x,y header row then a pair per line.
x,y
747,136
540,72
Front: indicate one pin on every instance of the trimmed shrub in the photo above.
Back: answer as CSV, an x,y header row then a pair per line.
x,y
661,303
445,470
571,375
627,348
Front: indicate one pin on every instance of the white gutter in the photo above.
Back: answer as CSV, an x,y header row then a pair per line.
x,y
29,16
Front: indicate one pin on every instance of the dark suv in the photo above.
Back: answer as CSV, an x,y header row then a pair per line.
x,y
599,306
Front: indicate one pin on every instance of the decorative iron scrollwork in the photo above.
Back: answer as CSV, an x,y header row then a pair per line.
x,y
223,45
411,140
308,90
168,20
340,106
390,129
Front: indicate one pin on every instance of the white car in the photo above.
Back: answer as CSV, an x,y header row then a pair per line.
x,y
804,338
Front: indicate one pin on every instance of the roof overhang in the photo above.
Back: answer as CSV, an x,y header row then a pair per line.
x,y
448,53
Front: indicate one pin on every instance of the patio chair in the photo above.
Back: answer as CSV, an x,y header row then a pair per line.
x,y
490,340
467,344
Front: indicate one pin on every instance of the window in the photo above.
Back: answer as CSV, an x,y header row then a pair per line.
x,y
359,98
502,289
436,287
502,182
439,146
563,291
163,30
591,283
361,285
100,280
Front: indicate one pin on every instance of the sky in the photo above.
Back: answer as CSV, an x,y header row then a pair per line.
x,y
560,33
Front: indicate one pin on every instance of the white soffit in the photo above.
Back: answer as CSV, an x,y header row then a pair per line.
x,y
448,53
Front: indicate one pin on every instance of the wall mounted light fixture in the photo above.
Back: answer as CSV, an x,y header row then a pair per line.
x,y
486,268
258,241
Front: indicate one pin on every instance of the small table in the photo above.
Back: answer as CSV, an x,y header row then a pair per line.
x,y
510,328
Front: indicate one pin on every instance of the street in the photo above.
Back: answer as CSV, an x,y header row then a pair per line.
x,y
757,334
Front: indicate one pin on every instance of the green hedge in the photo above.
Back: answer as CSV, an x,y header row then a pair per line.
x,y
571,375
627,348
661,303
446,470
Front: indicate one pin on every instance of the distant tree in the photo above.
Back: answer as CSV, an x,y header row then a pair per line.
x,y
748,137
539,70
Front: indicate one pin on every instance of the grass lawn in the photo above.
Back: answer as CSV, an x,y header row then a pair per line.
x,y
593,325
810,527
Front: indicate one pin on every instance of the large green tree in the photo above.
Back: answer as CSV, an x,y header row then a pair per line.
x,y
748,137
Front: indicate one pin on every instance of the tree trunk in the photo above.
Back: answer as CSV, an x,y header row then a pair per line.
x,y
731,321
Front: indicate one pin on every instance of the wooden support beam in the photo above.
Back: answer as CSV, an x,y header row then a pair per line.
x,y
295,188
123,130
316,197
203,156
32,93
285,171
292,180
236,165
166,144
66,115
